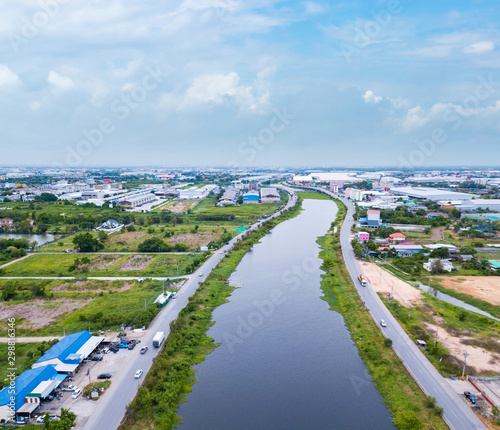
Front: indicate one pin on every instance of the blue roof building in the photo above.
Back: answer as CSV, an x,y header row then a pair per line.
x,y
23,385
70,351
251,197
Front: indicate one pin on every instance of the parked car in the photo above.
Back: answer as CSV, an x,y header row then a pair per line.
x,y
144,349
76,393
201,274
97,358
114,349
104,376
106,351
383,323
72,387
131,345
470,396
138,374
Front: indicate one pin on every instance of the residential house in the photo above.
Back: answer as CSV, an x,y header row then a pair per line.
x,y
395,238
445,264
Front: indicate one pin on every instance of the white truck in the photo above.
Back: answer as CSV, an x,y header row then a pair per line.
x,y
158,339
362,280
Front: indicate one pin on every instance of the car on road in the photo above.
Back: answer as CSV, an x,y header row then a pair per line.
x,y
97,358
383,323
200,275
471,397
138,374
144,349
104,376
173,296
72,387
76,393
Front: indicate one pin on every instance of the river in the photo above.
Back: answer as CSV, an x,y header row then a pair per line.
x,y
285,361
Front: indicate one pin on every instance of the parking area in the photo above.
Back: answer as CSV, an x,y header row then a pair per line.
x,y
88,372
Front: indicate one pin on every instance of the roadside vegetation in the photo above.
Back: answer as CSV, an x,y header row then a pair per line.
x,y
171,377
409,406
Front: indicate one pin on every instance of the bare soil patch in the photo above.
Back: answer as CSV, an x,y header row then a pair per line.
x,y
485,288
385,283
89,287
137,262
194,240
126,238
479,358
38,313
178,207
100,263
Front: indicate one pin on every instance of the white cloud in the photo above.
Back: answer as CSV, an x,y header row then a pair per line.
x,y
34,105
60,82
480,47
313,8
370,97
7,77
217,88
414,118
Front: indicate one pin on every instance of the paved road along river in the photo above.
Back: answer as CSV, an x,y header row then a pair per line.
x,y
285,361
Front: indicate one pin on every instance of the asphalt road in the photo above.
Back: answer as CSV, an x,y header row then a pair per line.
x,y
456,412
112,406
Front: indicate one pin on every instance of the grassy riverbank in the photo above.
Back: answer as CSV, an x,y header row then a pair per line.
x,y
171,377
409,406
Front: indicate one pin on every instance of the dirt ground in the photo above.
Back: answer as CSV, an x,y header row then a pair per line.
x,y
194,240
101,262
40,313
437,233
88,286
125,238
479,358
385,283
486,288
178,207
137,262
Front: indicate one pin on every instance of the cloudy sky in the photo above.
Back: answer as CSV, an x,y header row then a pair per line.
x,y
262,82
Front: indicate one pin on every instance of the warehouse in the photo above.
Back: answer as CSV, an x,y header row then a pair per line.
x,y
23,396
485,204
433,194
269,195
251,197
69,352
138,200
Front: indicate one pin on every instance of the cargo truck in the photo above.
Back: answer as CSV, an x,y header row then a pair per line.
x,y
362,280
158,339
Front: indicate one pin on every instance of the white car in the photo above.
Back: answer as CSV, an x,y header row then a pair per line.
x,y
383,323
76,393
201,274
72,387
138,374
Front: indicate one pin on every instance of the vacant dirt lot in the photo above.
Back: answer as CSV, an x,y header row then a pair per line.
x,y
481,359
125,238
89,287
101,262
137,262
385,283
194,240
178,207
486,288
41,313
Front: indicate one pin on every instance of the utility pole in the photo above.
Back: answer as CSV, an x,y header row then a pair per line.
x,y
436,339
145,306
465,361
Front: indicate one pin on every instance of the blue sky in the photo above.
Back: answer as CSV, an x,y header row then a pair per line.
x,y
269,83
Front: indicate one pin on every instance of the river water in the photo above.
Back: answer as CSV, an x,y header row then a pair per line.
x,y
285,361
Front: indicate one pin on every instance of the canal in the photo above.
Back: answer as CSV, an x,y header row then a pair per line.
x,y
286,361
39,238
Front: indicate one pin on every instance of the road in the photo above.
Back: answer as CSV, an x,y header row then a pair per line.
x,y
112,406
456,412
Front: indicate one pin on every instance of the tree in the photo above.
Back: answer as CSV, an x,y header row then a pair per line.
x,y
154,245
65,422
437,267
102,235
87,243
46,197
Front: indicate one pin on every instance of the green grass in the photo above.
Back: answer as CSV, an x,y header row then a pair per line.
x,y
163,265
402,396
313,195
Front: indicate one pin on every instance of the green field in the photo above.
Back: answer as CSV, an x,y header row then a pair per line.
x,y
314,195
142,265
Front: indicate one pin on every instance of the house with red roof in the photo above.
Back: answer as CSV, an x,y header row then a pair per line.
x,y
396,238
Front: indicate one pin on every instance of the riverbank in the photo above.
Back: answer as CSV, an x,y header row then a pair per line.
x,y
171,377
409,406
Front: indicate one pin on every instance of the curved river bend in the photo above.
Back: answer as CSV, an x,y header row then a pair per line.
x,y
285,361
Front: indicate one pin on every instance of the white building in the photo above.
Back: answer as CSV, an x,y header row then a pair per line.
x,y
445,264
269,195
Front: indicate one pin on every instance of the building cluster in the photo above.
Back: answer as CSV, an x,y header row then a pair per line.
x,y
25,393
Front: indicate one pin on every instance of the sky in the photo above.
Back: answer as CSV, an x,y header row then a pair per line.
x,y
229,83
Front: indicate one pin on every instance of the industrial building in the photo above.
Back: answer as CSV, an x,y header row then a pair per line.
x,y
485,204
269,195
67,354
23,396
251,197
433,194
229,197
137,200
